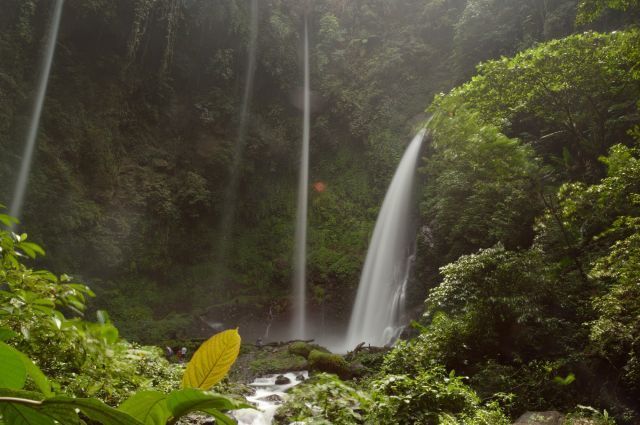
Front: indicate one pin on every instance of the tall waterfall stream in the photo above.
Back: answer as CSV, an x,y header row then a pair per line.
x,y
34,124
379,307
299,325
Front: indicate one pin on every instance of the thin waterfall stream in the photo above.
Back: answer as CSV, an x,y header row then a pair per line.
x,y
32,134
299,325
379,306
231,191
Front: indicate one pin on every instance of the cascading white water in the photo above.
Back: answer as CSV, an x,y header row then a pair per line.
x,y
299,325
398,302
379,304
268,398
23,177
231,192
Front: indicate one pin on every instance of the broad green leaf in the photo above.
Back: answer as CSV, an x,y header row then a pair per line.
x,y
25,402
7,220
181,402
30,368
63,414
23,394
33,247
75,303
109,333
81,288
46,275
46,310
564,381
13,373
21,414
220,417
37,376
149,407
27,250
13,261
43,301
93,409
6,334
212,360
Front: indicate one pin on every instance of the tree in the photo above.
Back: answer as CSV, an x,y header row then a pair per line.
x,y
590,10
478,185
571,98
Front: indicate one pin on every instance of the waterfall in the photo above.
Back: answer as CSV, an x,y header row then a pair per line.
x,y
379,307
300,254
231,191
23,177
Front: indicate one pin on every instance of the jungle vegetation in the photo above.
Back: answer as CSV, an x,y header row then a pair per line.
x,y
526,286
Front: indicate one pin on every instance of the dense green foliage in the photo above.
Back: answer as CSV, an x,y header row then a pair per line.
x,y
89,359
534,280
138,179
479,185
431,397
528,256
530,211
570,98
590,10
44,314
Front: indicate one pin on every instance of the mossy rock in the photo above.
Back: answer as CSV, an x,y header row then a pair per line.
x,y
330,363
257,361
304,349
277,361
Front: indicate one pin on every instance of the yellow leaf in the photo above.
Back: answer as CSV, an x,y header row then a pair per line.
x,y
212,361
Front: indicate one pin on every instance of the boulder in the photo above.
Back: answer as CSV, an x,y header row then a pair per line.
x,y
273,398
540,418
330,363
302,348
282,380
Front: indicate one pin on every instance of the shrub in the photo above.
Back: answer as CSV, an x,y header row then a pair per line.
x,y
325,398
429,398
89,359
45,314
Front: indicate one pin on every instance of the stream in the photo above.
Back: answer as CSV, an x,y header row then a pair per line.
x,y
268,397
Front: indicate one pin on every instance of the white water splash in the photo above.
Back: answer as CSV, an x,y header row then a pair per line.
x,y
27,158
379,306
299,325
268,398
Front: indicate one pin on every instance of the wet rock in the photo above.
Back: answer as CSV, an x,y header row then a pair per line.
x,y
160,164
255,362
273,398
540,418
300,378
196,419
358,369
282,380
